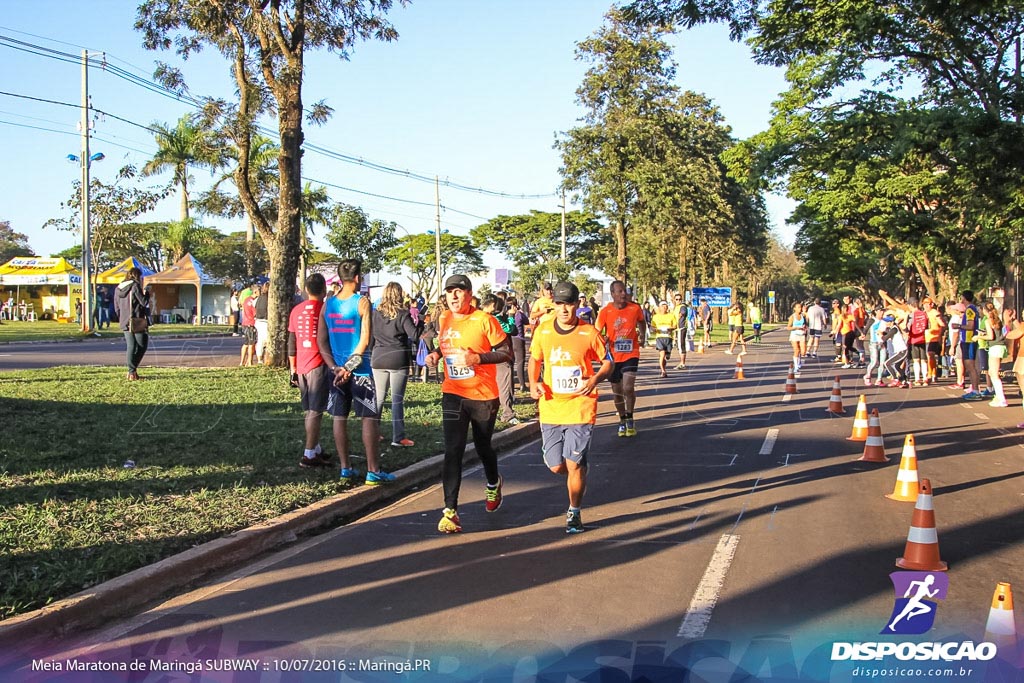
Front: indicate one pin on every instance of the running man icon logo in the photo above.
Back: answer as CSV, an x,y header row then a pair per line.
x,y
916,592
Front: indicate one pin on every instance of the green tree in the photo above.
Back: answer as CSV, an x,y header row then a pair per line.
x,y
188,144
417,254
265,43
353,234
112,209
232,257
533,241
13,244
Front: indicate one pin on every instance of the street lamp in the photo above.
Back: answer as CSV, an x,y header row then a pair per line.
x,y
86,160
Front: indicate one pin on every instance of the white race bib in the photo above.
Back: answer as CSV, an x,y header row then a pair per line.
x,y
566,379
457,372
623,346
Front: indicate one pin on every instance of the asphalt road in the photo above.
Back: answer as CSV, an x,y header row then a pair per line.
x,y
736,533
194,352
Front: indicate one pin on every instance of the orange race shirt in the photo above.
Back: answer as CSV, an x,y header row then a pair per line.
x,y
567,358
934,331
478,332
619,325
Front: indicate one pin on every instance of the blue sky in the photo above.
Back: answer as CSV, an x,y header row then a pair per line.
x,y
472,91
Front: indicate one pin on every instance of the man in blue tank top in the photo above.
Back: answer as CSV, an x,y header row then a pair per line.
x,y
343,338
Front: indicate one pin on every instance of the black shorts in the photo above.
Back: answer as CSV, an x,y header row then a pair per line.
x,y
313,389
738,329
358,392
248,335
934,347
628,365
662,344
918,352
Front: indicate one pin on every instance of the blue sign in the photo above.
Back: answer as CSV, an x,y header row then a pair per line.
x,y
720,297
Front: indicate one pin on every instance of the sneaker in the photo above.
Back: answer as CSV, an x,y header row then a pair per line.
x,y
514,421
348,475
972,396
573,522
315,461
879,383
404,443
728,352
622,428
995,403
680,367
493,495
959,385
630,428
846,366
449,523
379,478
987,393
867,381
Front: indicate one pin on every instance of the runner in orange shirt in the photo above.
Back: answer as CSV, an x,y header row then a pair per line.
x,y
471,343
622,324
566,346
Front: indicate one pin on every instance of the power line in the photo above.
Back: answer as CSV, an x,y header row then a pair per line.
x,y
320,149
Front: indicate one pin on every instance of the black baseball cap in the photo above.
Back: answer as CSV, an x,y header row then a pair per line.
x,y
458,282
565,293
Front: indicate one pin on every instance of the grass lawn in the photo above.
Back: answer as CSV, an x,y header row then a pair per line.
x,y
215,450
46,330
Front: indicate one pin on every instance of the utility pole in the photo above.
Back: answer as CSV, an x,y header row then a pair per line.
x,y
563,225
437,235
86,241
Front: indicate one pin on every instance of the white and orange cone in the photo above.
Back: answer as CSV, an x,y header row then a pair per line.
x,y
860,422
874,445
790,381
1000,627
906,488
835,401
739,368
922,550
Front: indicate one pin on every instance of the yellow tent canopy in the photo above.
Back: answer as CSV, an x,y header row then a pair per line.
x,y
41,277
39,271
119,273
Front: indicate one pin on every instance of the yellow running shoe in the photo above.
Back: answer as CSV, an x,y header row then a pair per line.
x,y
449,523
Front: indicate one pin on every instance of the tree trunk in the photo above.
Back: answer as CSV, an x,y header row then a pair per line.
x,y
621,260
284,252
184,199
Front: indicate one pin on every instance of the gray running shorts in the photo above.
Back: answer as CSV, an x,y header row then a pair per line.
x,y
565,442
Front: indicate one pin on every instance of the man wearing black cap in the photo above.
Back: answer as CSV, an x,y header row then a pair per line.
x,y
567,347
471,343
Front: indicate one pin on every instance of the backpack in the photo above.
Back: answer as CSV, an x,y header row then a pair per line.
x,y
918,323
421,353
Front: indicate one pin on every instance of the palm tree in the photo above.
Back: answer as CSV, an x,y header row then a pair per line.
x,y
187,144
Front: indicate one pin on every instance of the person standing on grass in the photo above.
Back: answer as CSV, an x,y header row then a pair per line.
x,y
393,335
567,347
248,331
309,373
343,339
131,304
262,322
470,343
233,306
519,320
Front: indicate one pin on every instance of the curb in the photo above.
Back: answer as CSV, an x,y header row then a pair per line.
x,y
83,340
122,595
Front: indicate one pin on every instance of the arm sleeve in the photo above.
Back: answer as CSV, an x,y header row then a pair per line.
x,y
293,347
502,353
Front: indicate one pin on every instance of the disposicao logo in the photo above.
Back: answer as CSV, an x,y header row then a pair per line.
x,y
916,595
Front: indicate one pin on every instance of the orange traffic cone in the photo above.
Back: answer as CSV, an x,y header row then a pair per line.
x,y
1000,628
860,422
835,402
922,550
790,381
874,445
700,346
906,489
739,368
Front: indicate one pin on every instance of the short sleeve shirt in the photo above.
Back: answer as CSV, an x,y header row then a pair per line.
x,y
934,331
664,324
249,312
478,332
969,326
619,325
304,322
567,358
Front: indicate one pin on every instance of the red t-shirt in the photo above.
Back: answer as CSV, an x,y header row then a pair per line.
x,y
303,322
249,312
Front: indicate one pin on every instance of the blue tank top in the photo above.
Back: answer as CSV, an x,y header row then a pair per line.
x,y
344,326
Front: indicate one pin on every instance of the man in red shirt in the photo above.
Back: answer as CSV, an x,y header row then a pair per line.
x,y
248,331
309,373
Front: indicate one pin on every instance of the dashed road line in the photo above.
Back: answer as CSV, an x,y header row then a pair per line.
x,y
769,442
698,614
981,416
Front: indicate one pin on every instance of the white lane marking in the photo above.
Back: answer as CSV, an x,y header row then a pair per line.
x,y
787,398
965,405
698,615
769,442
771,518
981,416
